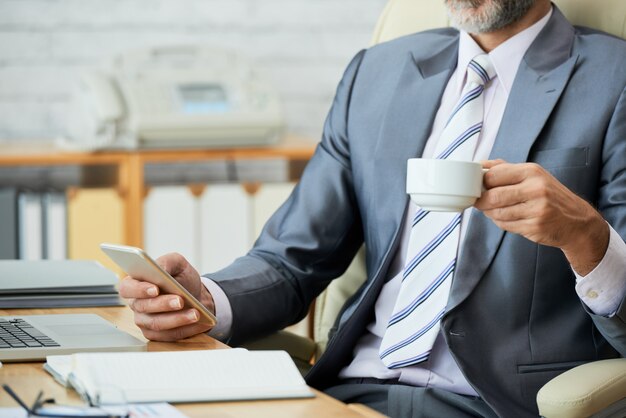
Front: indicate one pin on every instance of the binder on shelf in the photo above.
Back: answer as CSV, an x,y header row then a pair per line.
x,y
9,249
186,172
30,226
94,216
41,177
171,222
54,208
263,170
225,225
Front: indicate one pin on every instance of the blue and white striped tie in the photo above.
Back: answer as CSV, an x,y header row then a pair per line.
x,y
434,239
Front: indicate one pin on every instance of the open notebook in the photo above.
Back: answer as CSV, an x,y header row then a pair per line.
x,y
180,376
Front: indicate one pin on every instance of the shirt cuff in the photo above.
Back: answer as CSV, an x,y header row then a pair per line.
x,y
223,311
604,288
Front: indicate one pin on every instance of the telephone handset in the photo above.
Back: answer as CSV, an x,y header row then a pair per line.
x,y
106,100
97,109
182,96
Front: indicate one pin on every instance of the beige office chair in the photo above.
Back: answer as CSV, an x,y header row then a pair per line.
x,y
596,389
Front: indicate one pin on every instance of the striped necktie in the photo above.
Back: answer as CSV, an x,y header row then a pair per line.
x,y
434,239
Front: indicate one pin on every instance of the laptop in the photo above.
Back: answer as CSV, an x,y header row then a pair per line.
x,y
33,337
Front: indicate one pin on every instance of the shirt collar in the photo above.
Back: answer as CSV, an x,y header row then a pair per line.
x,y
505,58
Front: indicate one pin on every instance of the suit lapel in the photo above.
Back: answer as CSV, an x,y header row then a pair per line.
x,y
540,81
406,127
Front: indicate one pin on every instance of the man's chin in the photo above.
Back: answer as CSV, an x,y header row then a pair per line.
x,y
473,16
470,24
484,16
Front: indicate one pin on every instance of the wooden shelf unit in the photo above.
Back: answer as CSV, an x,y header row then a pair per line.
x,y
129,166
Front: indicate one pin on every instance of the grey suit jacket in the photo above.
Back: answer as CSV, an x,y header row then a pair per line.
x,y
513,318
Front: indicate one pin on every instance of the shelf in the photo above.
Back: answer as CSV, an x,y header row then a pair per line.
x,y
128,167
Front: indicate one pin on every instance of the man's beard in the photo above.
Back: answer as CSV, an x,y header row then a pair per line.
x,y
479,16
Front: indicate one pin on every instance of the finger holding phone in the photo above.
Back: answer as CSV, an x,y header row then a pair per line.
x,y
164,309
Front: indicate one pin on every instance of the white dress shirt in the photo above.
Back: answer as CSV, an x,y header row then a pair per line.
x,y
602,289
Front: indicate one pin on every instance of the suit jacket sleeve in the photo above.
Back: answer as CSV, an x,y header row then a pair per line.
x,y
310,240
612,204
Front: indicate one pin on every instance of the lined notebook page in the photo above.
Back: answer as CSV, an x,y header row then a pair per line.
x,y
187,376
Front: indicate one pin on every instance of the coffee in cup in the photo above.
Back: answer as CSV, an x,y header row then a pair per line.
x,y
444,185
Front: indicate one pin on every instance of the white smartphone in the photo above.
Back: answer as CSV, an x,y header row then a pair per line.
x,y
137,263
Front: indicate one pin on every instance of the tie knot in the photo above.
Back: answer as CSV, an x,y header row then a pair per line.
x,y
480,70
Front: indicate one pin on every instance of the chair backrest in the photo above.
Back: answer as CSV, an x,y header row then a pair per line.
x,y
329,303
402,17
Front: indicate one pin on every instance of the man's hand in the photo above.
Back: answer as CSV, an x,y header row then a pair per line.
x,y
162,317
525,199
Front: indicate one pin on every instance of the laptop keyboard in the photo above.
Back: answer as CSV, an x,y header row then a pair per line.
x,y
17,333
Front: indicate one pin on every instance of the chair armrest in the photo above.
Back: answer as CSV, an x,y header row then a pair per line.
x,y
301,349
584,390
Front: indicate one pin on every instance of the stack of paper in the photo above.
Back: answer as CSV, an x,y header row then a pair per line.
x,y
181,376
56,284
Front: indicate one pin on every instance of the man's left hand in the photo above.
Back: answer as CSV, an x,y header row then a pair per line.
x,y
527,200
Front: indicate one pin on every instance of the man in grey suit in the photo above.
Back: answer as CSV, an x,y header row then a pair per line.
x,y
541,275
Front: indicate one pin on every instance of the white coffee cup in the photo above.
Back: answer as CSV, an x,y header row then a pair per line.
x,y
444,185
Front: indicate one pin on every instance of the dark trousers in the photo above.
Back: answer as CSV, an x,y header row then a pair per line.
x,y
401,401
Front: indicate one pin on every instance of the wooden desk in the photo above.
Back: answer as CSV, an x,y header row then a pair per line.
x,y
27,379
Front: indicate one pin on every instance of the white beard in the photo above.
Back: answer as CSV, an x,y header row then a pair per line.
x,y
480,16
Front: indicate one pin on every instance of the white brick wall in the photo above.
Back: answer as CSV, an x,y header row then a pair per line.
x,y
300,45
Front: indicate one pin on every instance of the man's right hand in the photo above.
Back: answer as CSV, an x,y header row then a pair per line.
x,y
162,317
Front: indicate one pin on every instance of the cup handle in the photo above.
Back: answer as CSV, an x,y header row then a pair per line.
x,y
482,184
